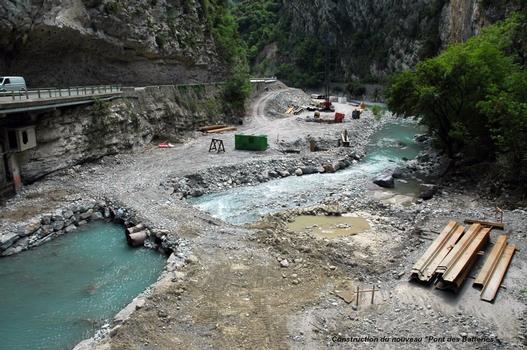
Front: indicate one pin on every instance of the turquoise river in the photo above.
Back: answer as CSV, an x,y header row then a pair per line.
x,y
57,294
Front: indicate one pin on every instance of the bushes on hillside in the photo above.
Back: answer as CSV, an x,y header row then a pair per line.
x,y
473,96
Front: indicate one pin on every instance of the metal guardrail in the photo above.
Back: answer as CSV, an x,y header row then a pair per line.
x,y
54,92
50,93
263,80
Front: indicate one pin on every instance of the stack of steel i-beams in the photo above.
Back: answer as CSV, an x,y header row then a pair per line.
x,y
451,256
494,269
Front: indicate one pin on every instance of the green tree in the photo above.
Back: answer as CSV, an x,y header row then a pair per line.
x,y
237,89
224,29
471,96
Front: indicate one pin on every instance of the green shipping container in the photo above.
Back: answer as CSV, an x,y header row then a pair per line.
x,y
250,142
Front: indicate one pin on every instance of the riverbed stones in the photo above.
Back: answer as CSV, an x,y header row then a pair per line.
x,y
45,219
421,138
86,214
197,192
385,181
13,250
398,173
7,239
283,173
58,225
46,230
328,168
308,170
427,191
70,228
38,230
298,172
96,216
30,228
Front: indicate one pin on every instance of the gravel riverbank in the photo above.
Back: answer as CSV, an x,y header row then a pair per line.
x,y
262,285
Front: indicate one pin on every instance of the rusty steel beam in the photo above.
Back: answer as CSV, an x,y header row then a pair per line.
x,y
500,259
496,225
458,249
425,268
492,261
455,267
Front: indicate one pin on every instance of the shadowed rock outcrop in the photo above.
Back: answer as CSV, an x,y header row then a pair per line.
x,y
133,42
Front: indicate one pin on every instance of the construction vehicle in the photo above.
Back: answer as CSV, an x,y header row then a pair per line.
x,y
327,106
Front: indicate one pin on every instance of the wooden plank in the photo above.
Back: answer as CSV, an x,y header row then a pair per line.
x,y
230,128
490,290
491,262
496,225
212,127
461,263
428,259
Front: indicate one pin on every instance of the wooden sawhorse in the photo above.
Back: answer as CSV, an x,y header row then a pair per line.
x,y
216,145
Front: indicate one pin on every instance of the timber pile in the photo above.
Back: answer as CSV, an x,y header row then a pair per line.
x,y
207,128
214,129
294,110
451,256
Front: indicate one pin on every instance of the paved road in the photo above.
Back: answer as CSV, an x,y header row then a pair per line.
x,y
88,91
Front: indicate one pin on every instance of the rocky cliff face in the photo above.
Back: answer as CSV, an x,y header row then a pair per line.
x,y
135,42
370,39
67,137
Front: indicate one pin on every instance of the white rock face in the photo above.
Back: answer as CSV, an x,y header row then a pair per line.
x,y
72,136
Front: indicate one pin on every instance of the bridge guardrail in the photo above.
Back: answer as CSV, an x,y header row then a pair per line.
x,y
48,93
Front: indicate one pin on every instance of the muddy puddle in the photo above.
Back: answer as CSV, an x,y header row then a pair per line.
x,y
329,226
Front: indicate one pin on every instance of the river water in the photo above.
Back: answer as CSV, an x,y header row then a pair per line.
x,y
388,149
57,294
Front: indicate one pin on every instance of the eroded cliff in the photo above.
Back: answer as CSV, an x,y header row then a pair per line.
x,y
365,40
71,136
132,42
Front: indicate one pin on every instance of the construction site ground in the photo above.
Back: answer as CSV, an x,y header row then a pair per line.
x,y
236,290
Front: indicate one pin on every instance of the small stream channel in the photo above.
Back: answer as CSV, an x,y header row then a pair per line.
x,y
55,295
387,149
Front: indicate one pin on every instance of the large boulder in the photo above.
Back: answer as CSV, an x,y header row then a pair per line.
x,y
7,239
398,173
421,138
309,170
428,191
384,180
328,168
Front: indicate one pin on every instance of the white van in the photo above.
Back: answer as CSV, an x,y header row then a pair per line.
x,y
12,84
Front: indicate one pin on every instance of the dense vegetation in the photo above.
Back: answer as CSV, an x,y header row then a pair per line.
x,y
224,29
473,96
258,24
299,44
299,58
